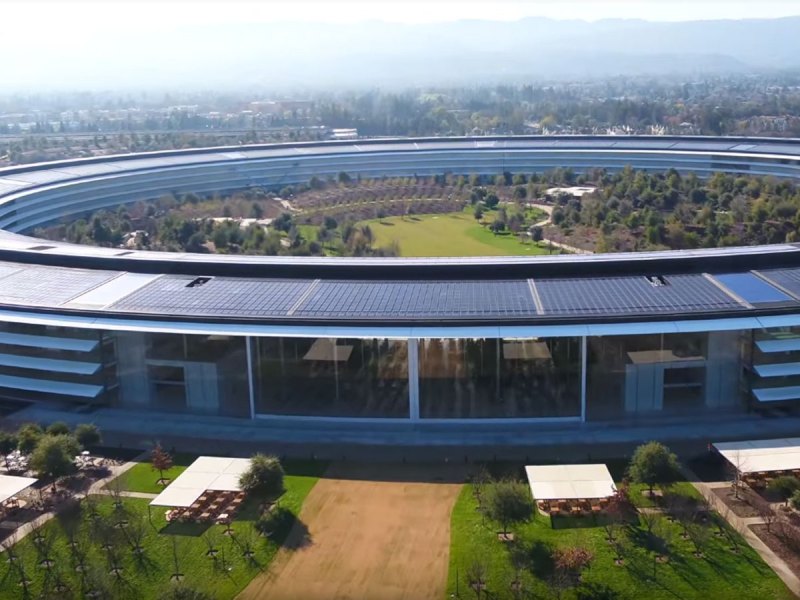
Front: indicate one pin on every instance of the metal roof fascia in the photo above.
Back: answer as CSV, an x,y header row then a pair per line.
x,y
779,321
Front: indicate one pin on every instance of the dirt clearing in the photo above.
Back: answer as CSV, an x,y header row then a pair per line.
x,y
367,532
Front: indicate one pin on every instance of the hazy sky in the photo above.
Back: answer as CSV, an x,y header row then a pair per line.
x,y
59,18
122,43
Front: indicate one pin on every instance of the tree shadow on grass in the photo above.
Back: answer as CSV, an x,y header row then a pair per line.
x,y
535,557
570,522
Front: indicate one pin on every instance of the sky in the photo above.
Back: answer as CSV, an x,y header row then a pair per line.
x,y
116,42
58,18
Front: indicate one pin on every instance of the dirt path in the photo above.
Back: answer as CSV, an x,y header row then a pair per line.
x,y
367,531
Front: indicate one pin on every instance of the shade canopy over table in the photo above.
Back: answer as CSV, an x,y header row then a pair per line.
x,y
11,485
206,473
570,482
759,456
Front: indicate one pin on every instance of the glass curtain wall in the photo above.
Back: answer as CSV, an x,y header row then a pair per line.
x,y
321,377
199,374
632,375
500,378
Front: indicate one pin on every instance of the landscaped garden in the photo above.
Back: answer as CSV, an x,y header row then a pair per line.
x,y
451,234
113,546
668,545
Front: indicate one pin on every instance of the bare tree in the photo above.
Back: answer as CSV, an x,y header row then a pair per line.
x,y
737,465
476,576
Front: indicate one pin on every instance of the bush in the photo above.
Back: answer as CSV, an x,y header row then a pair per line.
x,y
264,477
88,435
58,428
783,487
28,436
653,463
795,500
8,442
275,523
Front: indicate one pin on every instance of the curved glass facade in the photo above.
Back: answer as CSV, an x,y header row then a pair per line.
x,y
428,380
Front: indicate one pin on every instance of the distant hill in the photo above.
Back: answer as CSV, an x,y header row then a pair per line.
x,y
377,53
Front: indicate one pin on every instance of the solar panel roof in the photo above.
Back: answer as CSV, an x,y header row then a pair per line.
x,y
788,279
218,296
621,295
49,286
387,299
751,288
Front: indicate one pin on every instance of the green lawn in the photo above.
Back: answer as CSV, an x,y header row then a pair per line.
x,y
719,574
452,234
147,576
143,478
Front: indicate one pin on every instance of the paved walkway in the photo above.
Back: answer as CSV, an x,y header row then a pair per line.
x,y
96,488
742,525
545,222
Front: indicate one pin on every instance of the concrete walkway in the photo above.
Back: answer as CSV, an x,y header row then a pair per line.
x,y
545,222
96,488
742,525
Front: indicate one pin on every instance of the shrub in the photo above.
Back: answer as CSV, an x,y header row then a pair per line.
x,y
653,463
264,477
795,500
58,428
88,435
275,523
184,592
8,442
783,487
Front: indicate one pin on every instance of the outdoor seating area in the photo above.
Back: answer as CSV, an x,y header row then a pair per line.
x,y
761,461
212,507
207,491
570,490
16,462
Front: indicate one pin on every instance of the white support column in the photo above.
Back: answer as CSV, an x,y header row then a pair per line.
x,y
413,380
251,376
583,379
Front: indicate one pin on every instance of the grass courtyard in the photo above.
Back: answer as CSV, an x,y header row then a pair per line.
x,y
166,548
452,234
719,573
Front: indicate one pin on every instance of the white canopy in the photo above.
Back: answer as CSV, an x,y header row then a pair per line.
x,y
570,482
11,485
762,455
206,473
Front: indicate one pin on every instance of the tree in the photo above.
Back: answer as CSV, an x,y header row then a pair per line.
x,y
88,435
478,212
508,502
54,456
8,442
653,463
476,575
783,487
161,461
264,476
568,565
28,436
58,428
537,233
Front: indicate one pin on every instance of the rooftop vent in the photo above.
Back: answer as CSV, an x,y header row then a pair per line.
x,y
657,280
198,282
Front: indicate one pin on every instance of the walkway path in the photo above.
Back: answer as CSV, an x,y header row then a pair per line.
x,y
544,222
742,525
367,531
96,488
